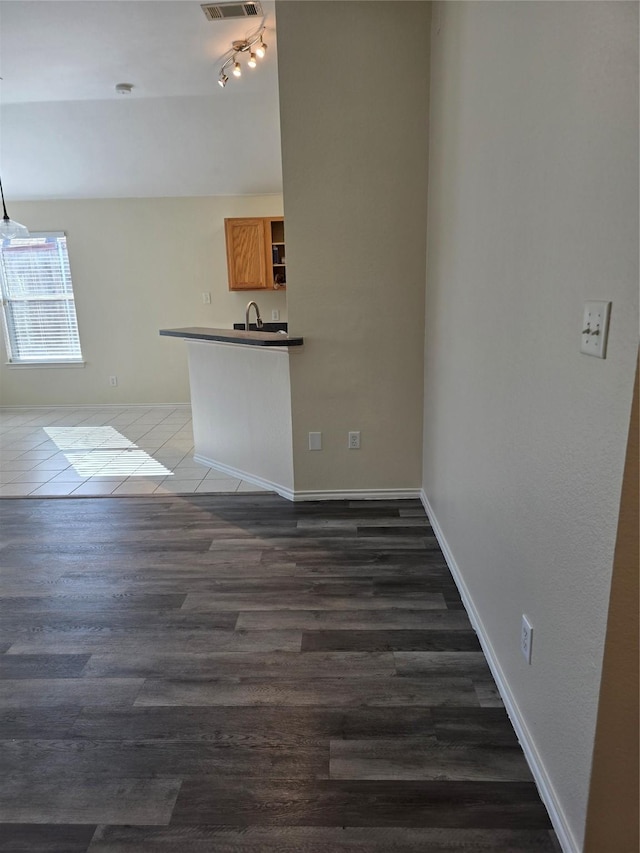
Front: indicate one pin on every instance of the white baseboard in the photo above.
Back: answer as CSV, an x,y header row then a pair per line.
x,y
239,474
100,406
545,787
357,495
301,495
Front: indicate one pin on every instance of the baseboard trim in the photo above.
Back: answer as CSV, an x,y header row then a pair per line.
x,y
99,406
309,495
239,474
536,765
357,495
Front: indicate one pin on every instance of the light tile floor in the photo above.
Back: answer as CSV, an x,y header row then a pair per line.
x,y
136,450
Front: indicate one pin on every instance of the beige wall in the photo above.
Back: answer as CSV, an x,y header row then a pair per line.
x,y
354,140
533,209
138,265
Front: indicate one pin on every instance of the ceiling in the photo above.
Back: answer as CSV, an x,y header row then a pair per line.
x,y
66,133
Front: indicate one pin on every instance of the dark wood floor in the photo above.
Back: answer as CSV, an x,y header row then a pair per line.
x,y
239,673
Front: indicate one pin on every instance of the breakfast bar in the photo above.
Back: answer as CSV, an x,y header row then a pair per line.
x,y
241,402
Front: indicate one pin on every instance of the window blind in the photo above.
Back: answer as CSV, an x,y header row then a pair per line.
x,y
37,299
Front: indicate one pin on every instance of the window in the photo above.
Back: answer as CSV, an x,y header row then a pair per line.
x,y
37,300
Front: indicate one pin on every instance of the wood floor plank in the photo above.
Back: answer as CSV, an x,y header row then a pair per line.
x,y
306,601
355,522
424,758
269,726
91,551
317,839
144,624
85,640
45,838
467,664
41,692
78,800
28,722
340,587
355,620
504,805
127,759
387,692
343,543
473,725
346,558
389,641
42,666
102,604
277,665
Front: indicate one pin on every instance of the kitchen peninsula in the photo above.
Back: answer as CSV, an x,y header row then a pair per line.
x,y
241,403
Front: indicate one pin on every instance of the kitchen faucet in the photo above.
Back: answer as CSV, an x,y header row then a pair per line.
x,y
258,317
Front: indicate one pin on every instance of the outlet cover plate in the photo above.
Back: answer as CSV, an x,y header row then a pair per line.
x,y
526,638
595,328
315,441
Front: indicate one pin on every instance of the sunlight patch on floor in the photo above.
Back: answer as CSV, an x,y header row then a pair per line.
x,y
104,452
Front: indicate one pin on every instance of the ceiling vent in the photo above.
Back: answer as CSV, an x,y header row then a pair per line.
x,y
222,11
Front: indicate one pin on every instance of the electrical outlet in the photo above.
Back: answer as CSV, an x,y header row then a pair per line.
x,y
206,298
526,638
113,381
275,315
354,440
315,441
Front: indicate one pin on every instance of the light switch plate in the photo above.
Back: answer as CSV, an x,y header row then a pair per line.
x,y
595,328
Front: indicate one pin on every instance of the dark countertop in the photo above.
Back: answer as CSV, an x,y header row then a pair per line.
x,y
234,336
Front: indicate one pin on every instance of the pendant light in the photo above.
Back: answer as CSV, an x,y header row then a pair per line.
x,y
8,228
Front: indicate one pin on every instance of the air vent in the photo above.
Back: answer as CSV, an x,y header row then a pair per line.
x,y
222,11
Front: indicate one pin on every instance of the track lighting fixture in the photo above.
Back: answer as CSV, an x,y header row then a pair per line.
x,y
254,46
9,228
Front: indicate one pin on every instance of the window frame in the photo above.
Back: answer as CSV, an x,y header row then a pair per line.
x,y
10,329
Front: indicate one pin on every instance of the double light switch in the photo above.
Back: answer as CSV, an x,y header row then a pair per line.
x,y
595,328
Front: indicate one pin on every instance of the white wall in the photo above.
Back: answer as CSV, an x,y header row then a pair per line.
x,y
533,209
242,411
138,265
354,141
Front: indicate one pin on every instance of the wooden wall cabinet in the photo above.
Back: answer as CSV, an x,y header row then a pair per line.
x,y
255,253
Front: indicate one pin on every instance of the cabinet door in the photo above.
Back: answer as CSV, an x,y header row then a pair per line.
x,y
246,254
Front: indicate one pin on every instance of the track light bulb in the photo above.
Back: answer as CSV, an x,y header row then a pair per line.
x,y
252,60
237,71
223,80
261,49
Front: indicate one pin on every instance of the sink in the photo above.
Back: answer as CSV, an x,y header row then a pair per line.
x,y
266,327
